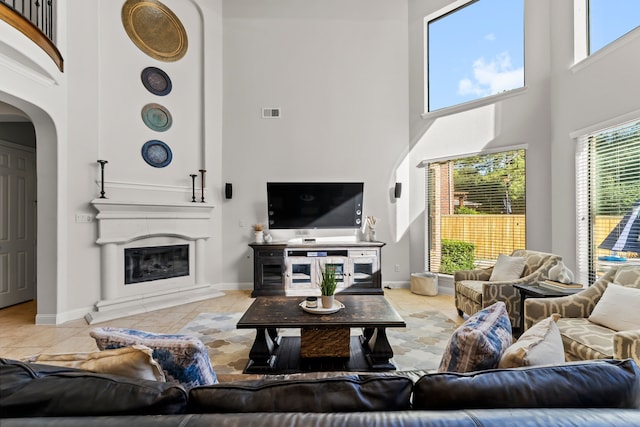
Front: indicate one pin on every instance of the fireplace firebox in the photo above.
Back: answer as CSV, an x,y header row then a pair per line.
x,y
155,263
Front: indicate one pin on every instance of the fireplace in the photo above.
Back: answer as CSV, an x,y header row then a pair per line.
x,y
152,256
155,263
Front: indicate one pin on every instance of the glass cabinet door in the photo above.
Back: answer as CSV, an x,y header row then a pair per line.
x,y
300,273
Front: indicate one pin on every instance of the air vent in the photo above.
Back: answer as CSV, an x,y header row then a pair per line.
x,y
270,113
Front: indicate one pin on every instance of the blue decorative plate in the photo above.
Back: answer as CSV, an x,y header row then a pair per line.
x,y
156,81
156,117
156,153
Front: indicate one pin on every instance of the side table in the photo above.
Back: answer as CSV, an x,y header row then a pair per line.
x,y
537,291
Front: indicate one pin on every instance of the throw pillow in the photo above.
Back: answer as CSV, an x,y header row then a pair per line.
x,y
135,362
184,359
479,342
618,308
628,276
539,345
508,268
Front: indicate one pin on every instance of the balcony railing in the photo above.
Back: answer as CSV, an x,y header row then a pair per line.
x,y
35,19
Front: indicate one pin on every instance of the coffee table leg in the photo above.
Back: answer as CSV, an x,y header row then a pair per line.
x,y
262,354
377,349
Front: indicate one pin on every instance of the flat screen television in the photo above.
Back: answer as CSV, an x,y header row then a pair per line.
x,y
294,205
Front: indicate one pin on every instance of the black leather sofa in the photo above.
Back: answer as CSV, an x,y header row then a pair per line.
x,y
598,393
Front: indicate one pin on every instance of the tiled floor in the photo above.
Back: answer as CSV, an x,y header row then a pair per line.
x,y
20,337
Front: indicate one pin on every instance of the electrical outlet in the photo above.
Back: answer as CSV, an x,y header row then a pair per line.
x,y
82,218
397,268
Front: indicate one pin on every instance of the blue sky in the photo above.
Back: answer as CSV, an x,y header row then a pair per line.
x,y
478,50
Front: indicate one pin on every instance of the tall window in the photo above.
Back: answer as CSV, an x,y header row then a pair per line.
x,y
474,49
608,199
476,210
610,20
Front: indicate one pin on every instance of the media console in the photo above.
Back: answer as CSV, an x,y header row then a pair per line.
x,y
295,268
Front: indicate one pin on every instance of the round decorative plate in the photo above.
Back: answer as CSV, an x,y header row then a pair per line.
x,y
156,153
155,29
337,306
156,117
156,81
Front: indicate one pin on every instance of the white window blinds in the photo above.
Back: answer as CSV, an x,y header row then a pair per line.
x,y
608,199
476,210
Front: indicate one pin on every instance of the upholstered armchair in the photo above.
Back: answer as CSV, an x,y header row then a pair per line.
x,y
473,290
583,339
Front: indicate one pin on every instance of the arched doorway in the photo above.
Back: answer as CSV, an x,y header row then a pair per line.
x,y
46,195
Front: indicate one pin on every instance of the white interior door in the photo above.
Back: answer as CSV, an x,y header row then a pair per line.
x,y
17,224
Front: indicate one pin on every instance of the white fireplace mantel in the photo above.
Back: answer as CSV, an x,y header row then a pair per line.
x,y
123,223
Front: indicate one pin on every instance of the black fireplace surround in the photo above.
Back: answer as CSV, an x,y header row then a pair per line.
x,y
155,263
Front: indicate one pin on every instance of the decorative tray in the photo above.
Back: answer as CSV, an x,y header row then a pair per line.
x,y
337,305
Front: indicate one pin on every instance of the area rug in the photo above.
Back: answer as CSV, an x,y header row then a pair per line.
x,y
418,346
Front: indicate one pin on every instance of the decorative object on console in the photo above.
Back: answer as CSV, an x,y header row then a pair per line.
x,y
371,228
184,359
156,117
328,286
479,342
202,172
156,81
258,230
155,29
102,163
156,153
193,187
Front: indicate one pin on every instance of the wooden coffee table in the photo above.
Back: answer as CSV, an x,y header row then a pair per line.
x,y
274,353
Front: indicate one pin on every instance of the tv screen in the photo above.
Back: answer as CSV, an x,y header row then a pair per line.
x,y
314,204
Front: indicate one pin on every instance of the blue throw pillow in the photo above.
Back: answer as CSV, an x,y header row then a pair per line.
x,y
478,344
184,359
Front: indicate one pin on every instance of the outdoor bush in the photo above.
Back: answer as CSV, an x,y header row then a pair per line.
x,y
456,255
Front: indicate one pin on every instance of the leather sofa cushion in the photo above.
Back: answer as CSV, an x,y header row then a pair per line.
x,y
593,384
347,393
35,390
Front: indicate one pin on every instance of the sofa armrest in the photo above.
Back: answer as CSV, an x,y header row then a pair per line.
x,y
579,305
626,345
479,274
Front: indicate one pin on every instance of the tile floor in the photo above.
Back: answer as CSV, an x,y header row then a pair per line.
x,y
20,337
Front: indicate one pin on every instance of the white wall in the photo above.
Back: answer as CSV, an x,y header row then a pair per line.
x,y
519,119
338,70
595,93
348,78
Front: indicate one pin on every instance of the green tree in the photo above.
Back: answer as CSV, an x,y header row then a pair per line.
x,y
494,181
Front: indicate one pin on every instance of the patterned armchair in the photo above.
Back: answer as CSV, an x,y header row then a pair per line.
x,y
582,339
473,290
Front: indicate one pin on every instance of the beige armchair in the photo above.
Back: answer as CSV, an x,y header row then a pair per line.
x,y
473,290
582,339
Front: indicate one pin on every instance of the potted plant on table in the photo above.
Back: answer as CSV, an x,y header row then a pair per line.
x,y
328,286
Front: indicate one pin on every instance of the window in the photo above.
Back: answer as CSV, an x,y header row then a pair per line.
x,y
610,20
474,49
608,199
476,210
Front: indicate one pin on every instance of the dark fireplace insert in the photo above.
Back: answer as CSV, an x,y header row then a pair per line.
x,y
155,263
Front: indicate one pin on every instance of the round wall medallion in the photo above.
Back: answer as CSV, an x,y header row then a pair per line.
x,y
156,117
156,153
156,81
155,29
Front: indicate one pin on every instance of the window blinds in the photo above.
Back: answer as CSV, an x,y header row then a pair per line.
x,y
608,196
479,201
